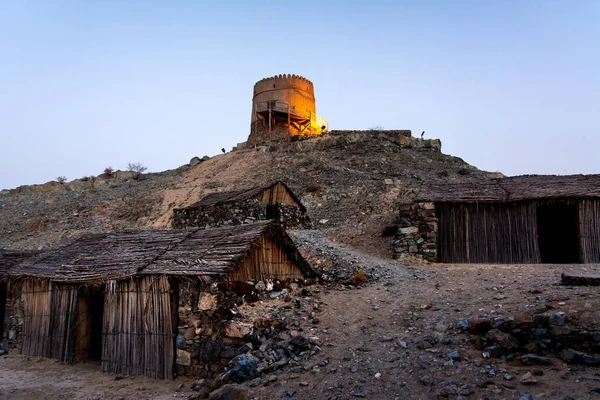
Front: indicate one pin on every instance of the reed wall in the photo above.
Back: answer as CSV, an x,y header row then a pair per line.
x,y
49,319
498,233
589,230
138,329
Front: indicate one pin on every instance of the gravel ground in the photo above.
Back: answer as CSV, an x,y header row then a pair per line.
x,y
392,338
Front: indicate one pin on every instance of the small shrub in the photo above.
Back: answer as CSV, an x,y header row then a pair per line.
x,y
136,167
376,128
61,179
359,279
108,171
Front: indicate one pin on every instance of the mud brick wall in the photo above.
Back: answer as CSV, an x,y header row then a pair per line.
x,y
417,232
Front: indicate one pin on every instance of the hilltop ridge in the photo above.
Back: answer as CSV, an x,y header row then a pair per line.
x,y
348,180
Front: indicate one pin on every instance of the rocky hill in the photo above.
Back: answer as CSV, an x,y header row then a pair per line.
x,y
350,182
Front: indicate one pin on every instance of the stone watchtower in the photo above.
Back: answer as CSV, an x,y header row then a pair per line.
x,y
283,106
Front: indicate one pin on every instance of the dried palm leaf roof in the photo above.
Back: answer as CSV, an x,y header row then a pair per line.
x,y
218,251
9,258
217,198
202,252
525,187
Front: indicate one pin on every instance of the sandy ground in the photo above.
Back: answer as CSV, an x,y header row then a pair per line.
x,y
361,330
24,377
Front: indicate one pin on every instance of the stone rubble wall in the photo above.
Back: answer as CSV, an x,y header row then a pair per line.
x,y
13,322
417,232
402,138
245,212
210,334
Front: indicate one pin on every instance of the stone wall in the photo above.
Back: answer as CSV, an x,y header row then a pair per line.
x,y
238,213
402,138
417,232
211,333
13,322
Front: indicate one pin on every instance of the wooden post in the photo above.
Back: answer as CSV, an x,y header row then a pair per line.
x,y
467,234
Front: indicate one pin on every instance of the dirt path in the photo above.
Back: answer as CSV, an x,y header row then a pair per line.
x,y
391,340
37,378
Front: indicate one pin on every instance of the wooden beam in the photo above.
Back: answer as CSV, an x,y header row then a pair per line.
x,y
580,279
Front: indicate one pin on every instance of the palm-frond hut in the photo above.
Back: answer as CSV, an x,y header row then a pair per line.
x,y
522,219
114,296
275,201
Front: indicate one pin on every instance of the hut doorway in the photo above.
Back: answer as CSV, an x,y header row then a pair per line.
x,y
557,233
273,212
90,312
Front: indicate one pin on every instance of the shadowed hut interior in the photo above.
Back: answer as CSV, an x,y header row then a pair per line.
x,y
524,219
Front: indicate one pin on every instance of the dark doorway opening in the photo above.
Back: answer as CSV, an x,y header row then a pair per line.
x,y
557,233
2,307
273,212
90,315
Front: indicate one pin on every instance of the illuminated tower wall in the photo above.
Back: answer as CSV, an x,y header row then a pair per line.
x,y
283,106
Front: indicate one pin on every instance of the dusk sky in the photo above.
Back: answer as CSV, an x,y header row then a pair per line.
x,y
509,86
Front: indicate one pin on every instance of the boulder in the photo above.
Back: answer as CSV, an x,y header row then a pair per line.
x,y
238,329
183,358
195,160
245,368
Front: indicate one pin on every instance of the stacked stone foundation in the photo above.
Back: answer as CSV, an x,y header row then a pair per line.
x,y
246,212
417,232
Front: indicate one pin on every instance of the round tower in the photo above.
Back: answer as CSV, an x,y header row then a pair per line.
x,y
283,106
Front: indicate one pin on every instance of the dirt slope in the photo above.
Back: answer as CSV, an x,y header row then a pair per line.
x,y
351,183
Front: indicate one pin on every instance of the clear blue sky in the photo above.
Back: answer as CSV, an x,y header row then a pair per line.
x,y
510,86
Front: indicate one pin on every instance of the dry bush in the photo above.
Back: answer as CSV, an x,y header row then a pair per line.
x,y
136,167
359,278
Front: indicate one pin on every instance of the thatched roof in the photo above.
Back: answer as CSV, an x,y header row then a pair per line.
x,y
10,258
525,187
217,198
218,251
202,252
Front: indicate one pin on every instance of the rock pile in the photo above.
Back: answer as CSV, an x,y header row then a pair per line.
x,y
533,338
249,339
